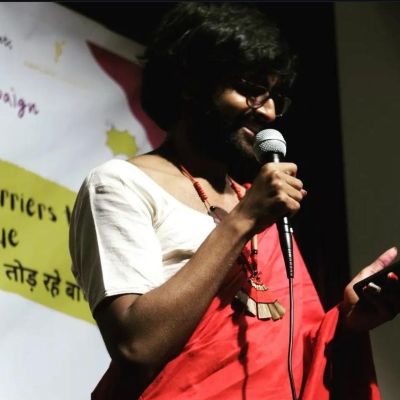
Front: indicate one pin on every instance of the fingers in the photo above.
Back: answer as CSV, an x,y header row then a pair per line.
x,y
289,168
275,192
286,167
385,259
278,173
284,187
380,299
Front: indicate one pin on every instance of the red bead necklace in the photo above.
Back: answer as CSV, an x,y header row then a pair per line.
x,y
254,295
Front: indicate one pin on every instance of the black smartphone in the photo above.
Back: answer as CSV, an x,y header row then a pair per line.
x,y
380,279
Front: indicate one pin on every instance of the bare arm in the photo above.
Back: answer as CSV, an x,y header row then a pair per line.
x,y
146,331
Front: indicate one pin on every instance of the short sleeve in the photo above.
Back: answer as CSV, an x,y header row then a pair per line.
x,y
113,244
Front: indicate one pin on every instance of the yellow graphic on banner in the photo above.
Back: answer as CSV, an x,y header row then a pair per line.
x,y
58,50
121,142
34,255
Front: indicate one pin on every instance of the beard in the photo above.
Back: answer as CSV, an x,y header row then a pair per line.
x,y
219,137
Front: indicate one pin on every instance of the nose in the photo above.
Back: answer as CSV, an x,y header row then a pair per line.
x,y
266,111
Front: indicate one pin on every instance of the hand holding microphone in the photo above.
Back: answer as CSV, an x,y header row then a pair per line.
x,y
270,147
284,190
276,192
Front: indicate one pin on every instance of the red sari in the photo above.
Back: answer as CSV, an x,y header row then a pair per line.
x,y
235,356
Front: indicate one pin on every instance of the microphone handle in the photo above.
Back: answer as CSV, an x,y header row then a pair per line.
x,y
284,229
285,239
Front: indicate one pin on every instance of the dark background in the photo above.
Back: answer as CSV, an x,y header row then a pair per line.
x,y
312,128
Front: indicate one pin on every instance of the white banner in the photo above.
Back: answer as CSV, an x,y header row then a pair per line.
x,y
68,102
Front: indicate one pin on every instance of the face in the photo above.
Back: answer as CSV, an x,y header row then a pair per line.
x,y
225,128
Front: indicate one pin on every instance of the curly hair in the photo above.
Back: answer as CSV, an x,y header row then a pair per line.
x,y
201,46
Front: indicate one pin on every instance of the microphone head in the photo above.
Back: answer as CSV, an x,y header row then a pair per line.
x,y
269,141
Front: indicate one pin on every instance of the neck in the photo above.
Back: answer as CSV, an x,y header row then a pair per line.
x,y
179,150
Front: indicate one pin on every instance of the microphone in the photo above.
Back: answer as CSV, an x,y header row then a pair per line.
x,y
270,146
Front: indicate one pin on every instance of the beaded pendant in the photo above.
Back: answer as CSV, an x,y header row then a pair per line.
x,y
258,301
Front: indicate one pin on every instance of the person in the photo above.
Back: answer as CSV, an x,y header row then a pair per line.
x,y
181,262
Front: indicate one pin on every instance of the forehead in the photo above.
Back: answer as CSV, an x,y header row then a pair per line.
x,y
269,79
259,77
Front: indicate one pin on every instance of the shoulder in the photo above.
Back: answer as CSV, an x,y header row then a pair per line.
x,y
156,166
115,184
114,171
119,176
148,166
138,182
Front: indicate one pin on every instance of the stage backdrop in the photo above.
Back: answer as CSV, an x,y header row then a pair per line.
x,y
68,102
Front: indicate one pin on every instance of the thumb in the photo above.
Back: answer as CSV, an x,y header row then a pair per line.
x,y
383,260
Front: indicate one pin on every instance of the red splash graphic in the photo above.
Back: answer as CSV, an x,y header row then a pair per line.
x,y
129,76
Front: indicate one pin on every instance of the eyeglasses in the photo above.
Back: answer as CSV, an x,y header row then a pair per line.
x,y
258,95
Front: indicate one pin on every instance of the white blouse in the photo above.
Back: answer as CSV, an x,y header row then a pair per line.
x,y
129,235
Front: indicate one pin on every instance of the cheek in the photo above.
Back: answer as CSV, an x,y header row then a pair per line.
x,y
231,103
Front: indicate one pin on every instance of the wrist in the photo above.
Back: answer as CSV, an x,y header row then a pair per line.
x,y
241,224
347,325
343,331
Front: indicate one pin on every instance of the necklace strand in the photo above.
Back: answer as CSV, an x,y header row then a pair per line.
x,y
212,209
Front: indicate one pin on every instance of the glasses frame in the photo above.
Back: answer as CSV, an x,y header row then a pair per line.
x,y
257,101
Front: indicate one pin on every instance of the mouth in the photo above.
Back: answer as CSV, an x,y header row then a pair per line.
x,y
249,132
